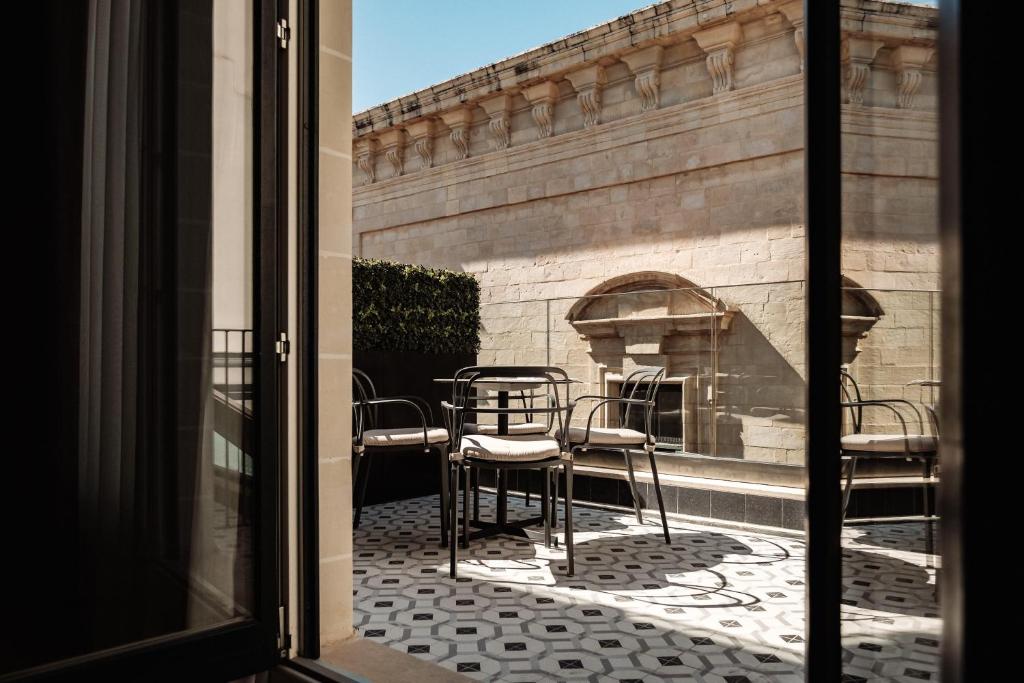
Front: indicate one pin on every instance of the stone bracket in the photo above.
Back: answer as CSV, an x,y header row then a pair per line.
x,y
909,60
646,67
858,55
543,97
422,134
719,43
393,143
458,121
366,158
587,83
498,110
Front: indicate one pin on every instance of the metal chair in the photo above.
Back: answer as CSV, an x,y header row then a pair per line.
x,y
503,451
642,385
860,445
370,437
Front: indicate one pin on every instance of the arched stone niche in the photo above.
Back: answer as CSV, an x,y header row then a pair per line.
x,y
860,312
655,318
649,318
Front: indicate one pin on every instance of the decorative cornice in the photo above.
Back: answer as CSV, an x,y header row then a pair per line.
x,y
858,54
908,60
646,67
498,109
718,42
458,121
422,134
588,82
543,97
393,143
366,158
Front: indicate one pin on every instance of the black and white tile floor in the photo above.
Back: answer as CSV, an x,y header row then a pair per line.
x,y
716,606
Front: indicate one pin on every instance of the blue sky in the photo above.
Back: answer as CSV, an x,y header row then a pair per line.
x,y
401,46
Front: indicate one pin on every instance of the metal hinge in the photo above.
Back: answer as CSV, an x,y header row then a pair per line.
x,y
284,34
282,347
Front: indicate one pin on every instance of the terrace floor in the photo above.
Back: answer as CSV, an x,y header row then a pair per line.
x,y
717,605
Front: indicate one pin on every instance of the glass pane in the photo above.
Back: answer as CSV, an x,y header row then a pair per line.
x,y
890,316
150,501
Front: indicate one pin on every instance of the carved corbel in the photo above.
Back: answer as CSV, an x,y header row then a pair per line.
x,y
588,82
719,44
458,121
499,110
858,55
393,143
908,60
422,134
542,97
646,67
366,158
794,12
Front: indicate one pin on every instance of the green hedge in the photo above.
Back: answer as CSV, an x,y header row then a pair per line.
x,y
401,307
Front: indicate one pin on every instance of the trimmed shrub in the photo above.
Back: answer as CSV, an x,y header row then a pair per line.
x,y
402,307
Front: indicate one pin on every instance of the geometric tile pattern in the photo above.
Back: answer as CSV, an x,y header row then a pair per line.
x,y
715,606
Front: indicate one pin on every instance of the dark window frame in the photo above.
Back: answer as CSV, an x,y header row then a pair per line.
x,y
242,647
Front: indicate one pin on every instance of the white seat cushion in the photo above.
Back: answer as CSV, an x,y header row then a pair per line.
x,y
888,443
605,436
520,428
403,436
522,447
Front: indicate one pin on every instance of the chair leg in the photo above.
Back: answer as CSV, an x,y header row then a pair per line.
x,y
453,518
661,502
632,486
465,505
476,493
568,517
849,486
362,478
545,505
526,485
554,498
443,452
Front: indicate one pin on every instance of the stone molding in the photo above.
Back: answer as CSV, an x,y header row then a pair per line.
x,y
498,110
718,43
542,97
794,13
858,54
646,67
393,143
909,60
366,158
458,122
588,82
422,134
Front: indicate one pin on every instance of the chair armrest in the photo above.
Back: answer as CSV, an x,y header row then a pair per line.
x,y
899,401
396,401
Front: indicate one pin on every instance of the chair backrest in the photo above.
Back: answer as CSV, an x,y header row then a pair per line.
x,y
363,390
642,384
473,386
851,394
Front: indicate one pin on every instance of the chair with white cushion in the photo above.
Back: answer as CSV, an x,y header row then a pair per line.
x,y
641,392
904,444
505,447
370,437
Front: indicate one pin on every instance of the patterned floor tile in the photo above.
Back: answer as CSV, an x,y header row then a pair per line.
x,y
715,605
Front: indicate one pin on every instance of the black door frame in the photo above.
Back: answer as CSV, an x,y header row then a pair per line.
x,y
246,647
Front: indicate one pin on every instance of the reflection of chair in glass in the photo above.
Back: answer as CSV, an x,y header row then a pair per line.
x,y
642,387
861,445
504,450
370,436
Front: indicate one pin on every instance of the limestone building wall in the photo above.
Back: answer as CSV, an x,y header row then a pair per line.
x,y
669,141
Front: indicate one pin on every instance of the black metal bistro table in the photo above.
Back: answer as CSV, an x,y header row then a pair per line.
x,y
503,387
